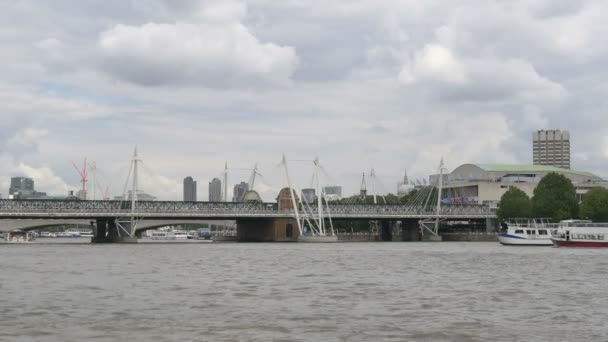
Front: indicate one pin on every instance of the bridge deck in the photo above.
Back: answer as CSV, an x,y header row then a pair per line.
x,y
221,210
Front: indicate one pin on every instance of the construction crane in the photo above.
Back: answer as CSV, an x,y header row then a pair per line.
x,y
83,173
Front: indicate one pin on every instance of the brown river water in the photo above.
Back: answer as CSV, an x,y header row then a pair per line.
x,y
450,291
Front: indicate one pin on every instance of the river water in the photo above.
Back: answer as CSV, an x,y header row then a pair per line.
x,y
419,291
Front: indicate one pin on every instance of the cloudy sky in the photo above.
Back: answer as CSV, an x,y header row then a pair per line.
x,y
360,84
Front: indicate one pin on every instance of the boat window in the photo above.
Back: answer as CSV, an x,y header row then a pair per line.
x,y
529,232
542,232
519,231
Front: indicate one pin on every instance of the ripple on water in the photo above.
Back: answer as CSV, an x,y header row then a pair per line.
x,y
257,292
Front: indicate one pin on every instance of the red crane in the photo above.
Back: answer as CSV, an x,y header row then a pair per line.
x,y
83,178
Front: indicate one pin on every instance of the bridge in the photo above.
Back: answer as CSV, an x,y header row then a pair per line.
x,y
34,214
122,221
74,209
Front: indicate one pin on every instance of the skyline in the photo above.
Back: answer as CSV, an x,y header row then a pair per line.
x,y
268,190
377,84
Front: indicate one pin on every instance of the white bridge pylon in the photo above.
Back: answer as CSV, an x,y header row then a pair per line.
x,y
312,217
432,225
128,225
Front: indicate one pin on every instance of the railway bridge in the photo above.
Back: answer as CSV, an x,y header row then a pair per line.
x,y
119,221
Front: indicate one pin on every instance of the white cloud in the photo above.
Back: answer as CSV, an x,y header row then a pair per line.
x,y
45,179
383,83
216,50
533,117
434,62
477,78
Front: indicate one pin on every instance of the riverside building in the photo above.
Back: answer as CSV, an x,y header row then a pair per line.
x,y
23,188
551,147
486,183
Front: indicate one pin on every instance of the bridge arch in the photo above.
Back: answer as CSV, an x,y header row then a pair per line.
x,y
143,225
8,225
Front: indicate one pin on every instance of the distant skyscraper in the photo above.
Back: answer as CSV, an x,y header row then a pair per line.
x,y
23,188
21,185
309,195
215,190
551,147
189,190
239,191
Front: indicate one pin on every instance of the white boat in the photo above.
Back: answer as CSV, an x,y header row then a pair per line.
x,y
68,234
161,235
580,233
47,235
526,233
170,234
18,237
85,233
180,235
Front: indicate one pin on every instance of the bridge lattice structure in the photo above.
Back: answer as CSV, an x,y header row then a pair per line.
x,y
74,209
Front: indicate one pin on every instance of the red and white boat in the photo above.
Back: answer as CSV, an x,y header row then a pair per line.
x,y
580,233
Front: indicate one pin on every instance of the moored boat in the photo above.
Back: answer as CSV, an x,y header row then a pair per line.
x,y
47,235
580,233
167,234
533,232
70,233
18,237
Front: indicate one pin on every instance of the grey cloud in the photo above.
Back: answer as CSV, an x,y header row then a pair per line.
x,y
516,65
214,49
556,8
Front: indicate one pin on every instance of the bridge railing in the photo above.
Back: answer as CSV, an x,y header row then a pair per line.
x,y
226,208
401,209
123,207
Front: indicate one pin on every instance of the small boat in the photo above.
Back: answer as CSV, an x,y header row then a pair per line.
x,y
68,234
47,235
161,235
180,235
580,233
171,234
532,232
18,237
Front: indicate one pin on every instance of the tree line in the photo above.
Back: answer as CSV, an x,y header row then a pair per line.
x,y
554,198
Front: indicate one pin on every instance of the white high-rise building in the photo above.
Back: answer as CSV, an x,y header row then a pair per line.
x,y
551,147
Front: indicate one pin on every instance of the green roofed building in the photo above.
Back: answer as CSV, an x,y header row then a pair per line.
x,y
486,183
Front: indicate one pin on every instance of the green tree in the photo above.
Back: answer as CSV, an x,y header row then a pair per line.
x,y
514,203
595,204
555,197
409,196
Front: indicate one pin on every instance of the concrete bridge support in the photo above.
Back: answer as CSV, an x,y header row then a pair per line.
x,y
106,231
267,230
491,225
410,230
386,231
